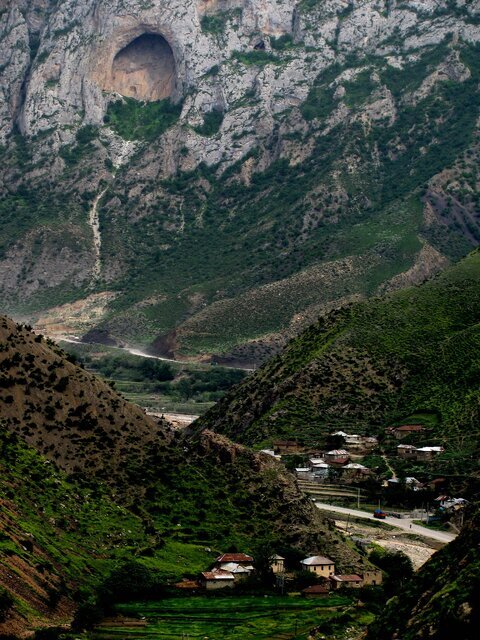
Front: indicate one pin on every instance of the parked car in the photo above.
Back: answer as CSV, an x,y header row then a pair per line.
x,y
378,513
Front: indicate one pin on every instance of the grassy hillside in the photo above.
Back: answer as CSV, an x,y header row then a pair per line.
x,y
88,482
443,599
409,356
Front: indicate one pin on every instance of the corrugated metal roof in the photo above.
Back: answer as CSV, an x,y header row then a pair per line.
x,y
218,575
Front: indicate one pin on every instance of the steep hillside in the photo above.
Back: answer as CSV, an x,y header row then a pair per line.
x,y
87,481
176,168
411,355
443,599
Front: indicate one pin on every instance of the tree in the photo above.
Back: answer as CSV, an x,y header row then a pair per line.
x,y
396,564
185,388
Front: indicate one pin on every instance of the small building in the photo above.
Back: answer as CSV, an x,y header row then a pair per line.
x,y
321,470
337,456
316,591
410,482
320,565
270,452
406,430
353,469
346,581
406,451
238,571
372,578
286,446
277,564
353,439
212,580
238,558
303,473
428,453
314,461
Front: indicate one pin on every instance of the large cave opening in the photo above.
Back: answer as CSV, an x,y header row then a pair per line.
x,y
144,69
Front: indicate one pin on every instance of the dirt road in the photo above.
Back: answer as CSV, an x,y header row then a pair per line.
x,y
401,523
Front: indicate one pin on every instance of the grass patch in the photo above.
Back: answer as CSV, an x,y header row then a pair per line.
x,y
229,617
134,120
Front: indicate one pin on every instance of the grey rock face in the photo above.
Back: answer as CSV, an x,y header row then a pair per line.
x,y
85,54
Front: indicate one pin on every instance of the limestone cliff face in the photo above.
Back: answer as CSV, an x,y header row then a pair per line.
x,y
89,206
61,62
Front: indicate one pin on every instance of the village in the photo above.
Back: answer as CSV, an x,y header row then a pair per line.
x,y
376,470
232,570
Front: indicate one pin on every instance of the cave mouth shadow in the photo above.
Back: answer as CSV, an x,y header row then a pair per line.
x,y
145,69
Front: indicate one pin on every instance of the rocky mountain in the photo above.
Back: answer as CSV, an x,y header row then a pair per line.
x,y
209,176
89,482
410,357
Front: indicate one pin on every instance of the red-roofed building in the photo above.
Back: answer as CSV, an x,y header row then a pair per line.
x,y
238,558
407,429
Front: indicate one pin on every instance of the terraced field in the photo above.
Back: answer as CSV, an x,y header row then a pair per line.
x,y
231,618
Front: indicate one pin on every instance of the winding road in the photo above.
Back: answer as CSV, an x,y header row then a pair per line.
x,y
401,523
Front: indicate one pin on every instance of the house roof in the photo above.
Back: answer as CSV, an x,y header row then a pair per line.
x,y
337,452
317,588
187,584
234,557
234,568
302,469
218,575
347,577
406,446
277,557
340,433
354,465
316,460
410,427
316,561
436,449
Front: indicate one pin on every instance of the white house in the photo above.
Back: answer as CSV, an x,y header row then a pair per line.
x,y
217,579
320,565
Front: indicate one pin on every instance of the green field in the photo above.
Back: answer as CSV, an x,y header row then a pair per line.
x,y
234,617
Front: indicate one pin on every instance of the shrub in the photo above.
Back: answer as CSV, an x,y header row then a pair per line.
x,y
134,120
212,122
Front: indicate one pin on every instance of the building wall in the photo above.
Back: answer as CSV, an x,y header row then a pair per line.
x,y
278,566
325,570
213,585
